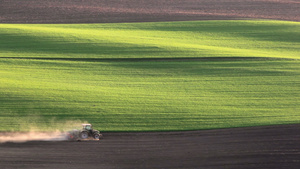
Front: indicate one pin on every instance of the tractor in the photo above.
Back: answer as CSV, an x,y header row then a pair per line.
x,y
87,132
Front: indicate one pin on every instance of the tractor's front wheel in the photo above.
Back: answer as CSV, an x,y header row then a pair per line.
x,y
97,136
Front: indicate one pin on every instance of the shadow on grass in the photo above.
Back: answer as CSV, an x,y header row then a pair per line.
x,y
176,59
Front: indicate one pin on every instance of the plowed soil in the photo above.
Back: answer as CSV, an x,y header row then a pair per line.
x,y
100,11
255,147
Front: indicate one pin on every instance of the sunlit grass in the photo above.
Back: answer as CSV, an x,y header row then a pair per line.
x,y
135,40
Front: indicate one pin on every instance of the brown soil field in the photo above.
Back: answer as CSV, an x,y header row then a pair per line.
x,y
103,11
267,147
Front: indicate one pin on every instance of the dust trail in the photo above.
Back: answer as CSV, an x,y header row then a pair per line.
x,y
51,130
20,137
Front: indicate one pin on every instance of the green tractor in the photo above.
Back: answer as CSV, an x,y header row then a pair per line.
x,y
87,132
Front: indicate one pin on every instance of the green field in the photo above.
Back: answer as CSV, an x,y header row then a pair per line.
x,y
150,76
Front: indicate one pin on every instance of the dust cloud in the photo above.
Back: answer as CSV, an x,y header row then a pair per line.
x,y
19,137
52,130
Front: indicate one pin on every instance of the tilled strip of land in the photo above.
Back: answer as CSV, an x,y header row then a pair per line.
x,y
254,147
103,11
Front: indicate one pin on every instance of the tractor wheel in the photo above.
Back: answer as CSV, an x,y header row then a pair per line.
x,y
84,135
97,136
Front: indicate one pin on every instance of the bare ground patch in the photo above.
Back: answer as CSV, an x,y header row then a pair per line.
x,y
253,147
109,11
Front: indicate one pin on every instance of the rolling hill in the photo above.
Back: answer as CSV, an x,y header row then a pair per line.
x,y
156,76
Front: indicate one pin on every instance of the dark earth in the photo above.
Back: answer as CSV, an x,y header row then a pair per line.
x,y
239,148
96,11
252,147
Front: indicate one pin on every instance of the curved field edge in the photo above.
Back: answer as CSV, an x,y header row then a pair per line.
x,y
48,76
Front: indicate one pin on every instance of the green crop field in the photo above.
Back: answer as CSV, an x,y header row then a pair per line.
x,y
150,76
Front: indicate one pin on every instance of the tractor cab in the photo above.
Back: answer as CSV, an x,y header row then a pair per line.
x,y
87,127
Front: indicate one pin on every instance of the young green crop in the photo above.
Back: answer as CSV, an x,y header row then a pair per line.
x,y
150,76
152,40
